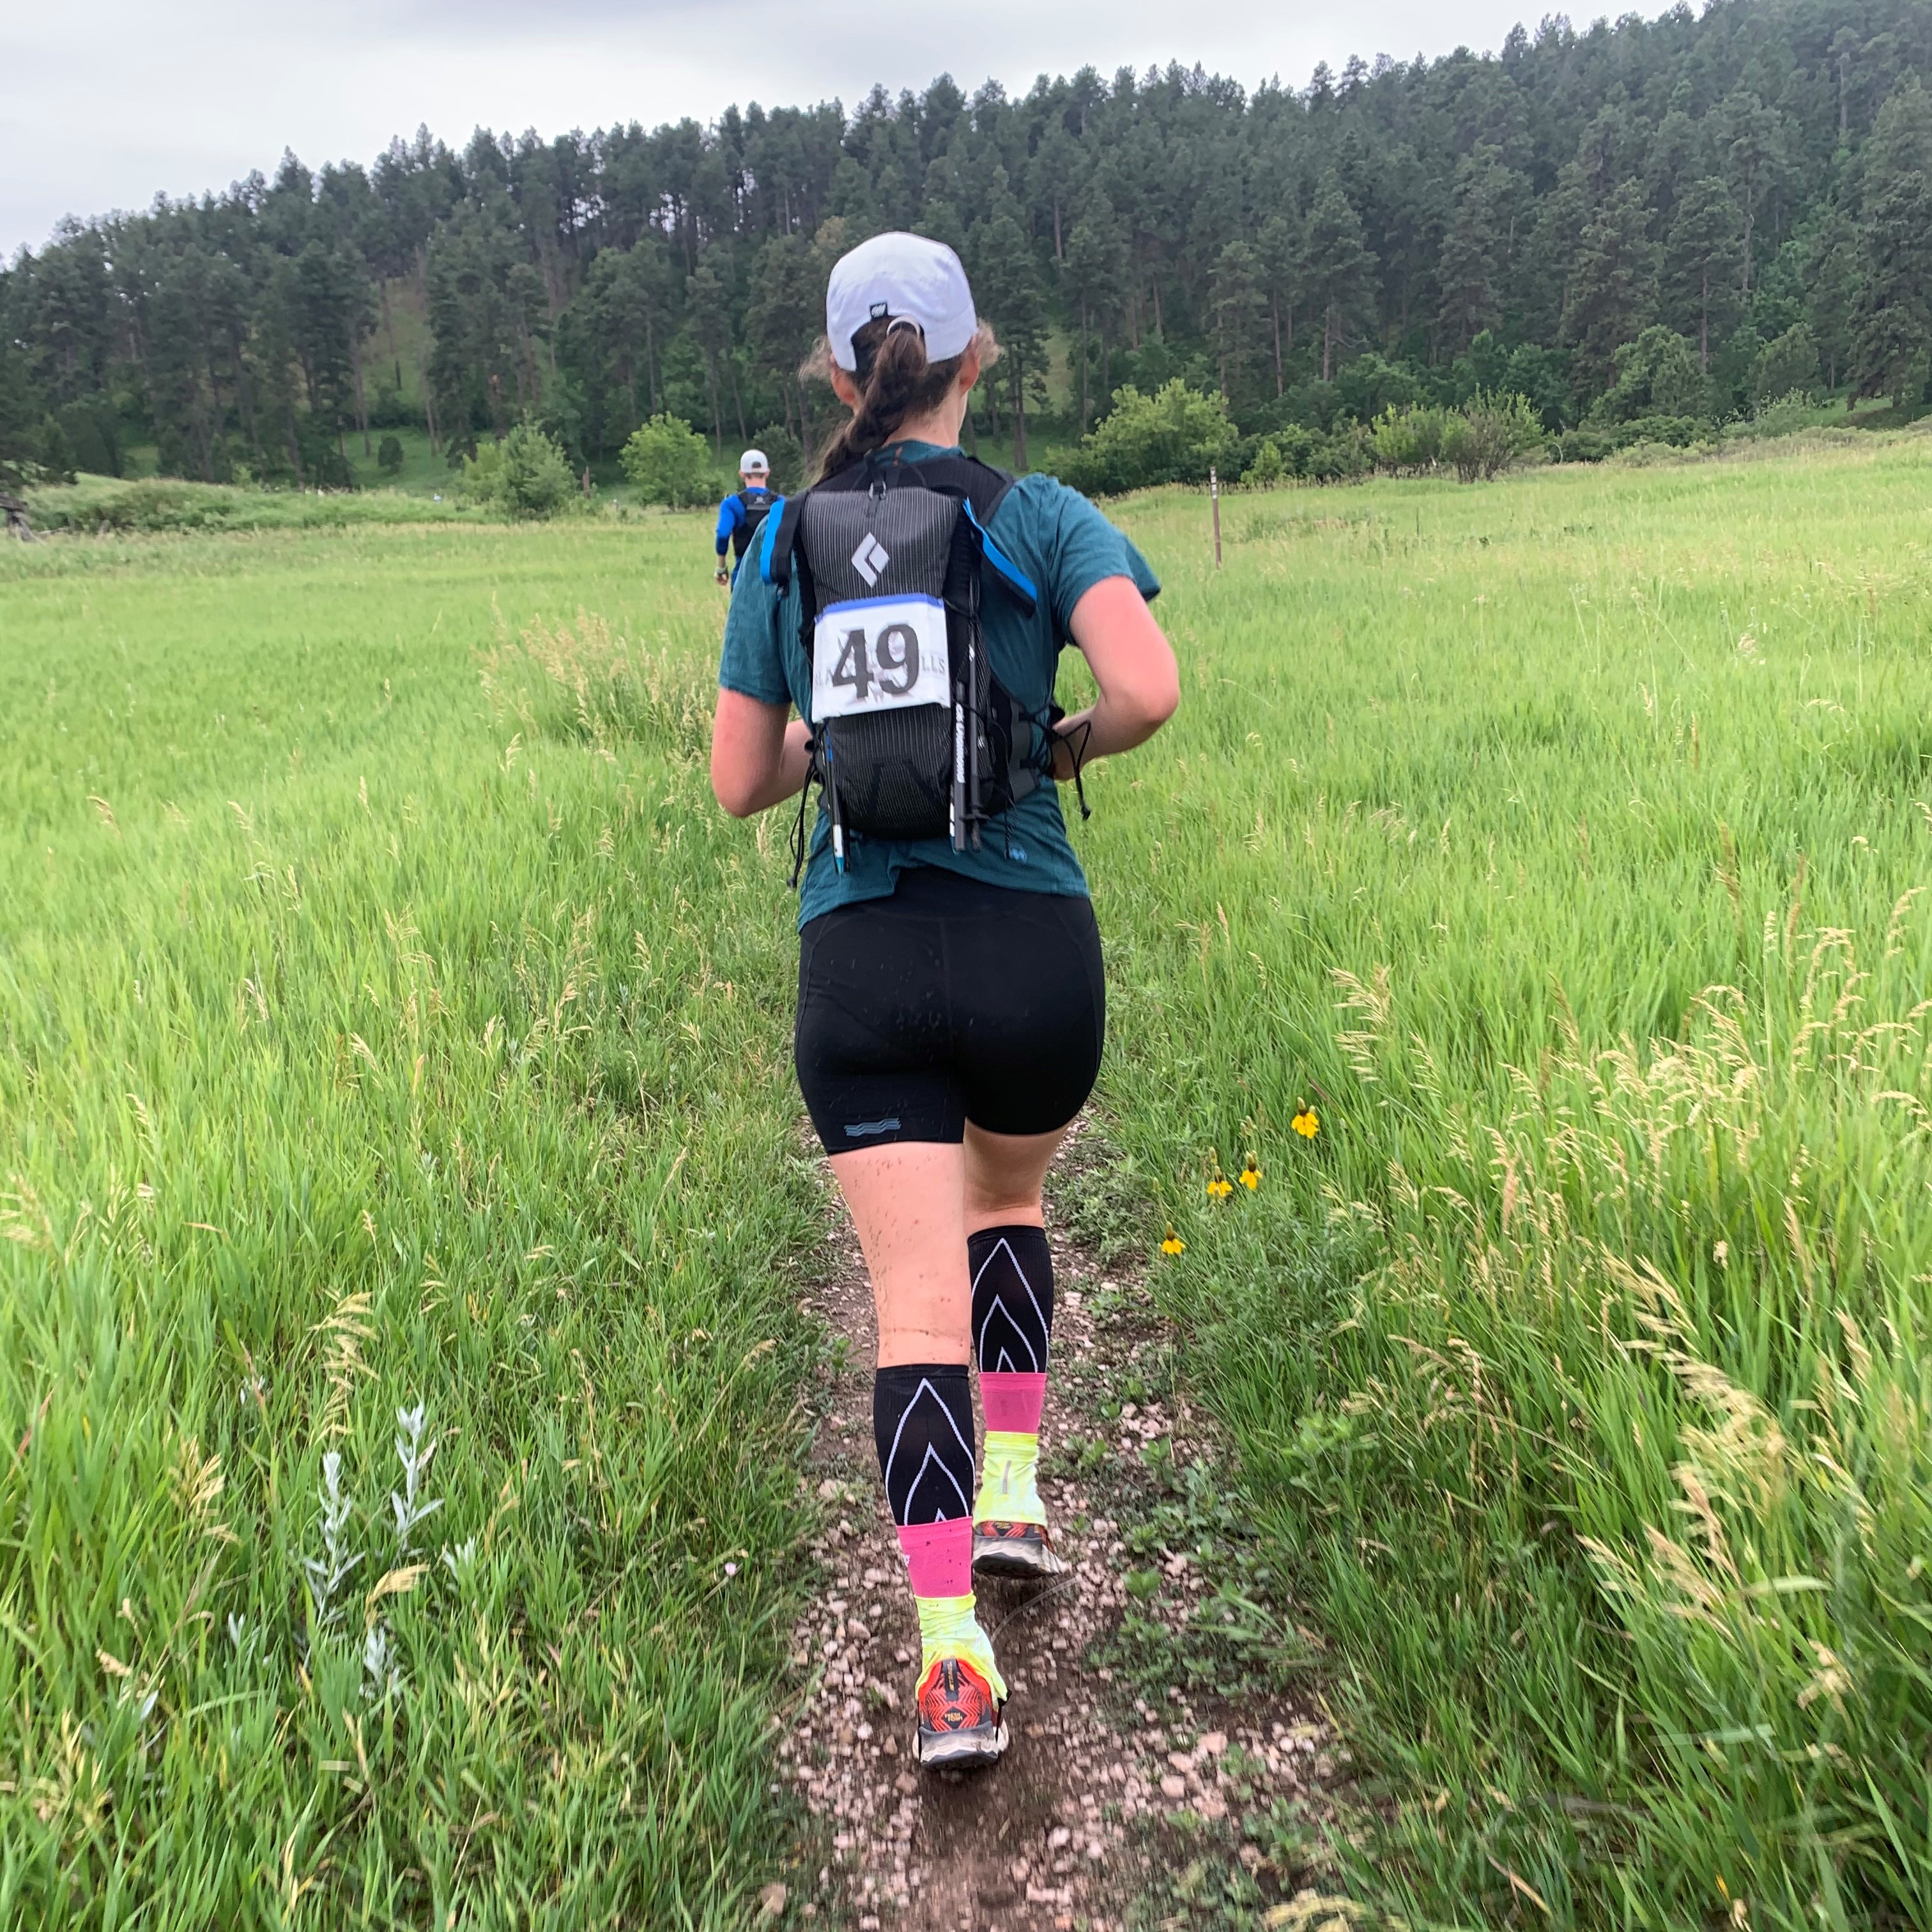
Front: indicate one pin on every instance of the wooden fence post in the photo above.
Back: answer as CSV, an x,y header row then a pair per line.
x,y
1214,493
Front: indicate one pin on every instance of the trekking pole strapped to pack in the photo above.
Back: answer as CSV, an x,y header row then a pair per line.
x,y
912,737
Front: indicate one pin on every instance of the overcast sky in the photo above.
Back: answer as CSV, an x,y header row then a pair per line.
x,y
103,103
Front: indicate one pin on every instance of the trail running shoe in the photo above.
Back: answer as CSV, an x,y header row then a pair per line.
x,y
1002,1549
1009,1537
960,1727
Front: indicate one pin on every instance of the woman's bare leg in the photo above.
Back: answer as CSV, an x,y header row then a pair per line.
x,y
1004,1175
908,1202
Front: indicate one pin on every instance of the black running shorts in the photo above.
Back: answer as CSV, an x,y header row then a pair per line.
x,y
951,1000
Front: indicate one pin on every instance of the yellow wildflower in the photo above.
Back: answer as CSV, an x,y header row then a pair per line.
x,y
1251,1175
1307,1123
1220,1187
1173,1245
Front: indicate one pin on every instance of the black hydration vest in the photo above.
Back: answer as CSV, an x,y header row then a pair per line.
x,y
756,505
912,737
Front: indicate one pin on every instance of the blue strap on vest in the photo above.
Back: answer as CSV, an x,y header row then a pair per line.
x,y
1003,567
978,485
782,515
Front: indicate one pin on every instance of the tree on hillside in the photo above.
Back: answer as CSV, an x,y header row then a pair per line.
x,y
1338,265
1831,270
614,336
56,456
786,315
1239,311
488,312
1891,325
1544,266
711,326
1094,277
1786,366
18,448
1673,157
1475,249
274,354
331,315
67,308
1701,258
228,321
1751,147
1051,179
1612,291
1283,268
1007,290
189,425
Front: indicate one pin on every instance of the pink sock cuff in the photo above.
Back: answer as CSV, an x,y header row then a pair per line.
x,y
1013,1403
939,1556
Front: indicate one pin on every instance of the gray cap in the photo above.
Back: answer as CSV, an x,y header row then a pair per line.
x,y
900,274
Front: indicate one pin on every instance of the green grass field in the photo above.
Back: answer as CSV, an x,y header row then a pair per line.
x,y
389,1019
372,1040
1563,843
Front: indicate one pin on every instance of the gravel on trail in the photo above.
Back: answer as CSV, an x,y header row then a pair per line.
x,y
1105,1788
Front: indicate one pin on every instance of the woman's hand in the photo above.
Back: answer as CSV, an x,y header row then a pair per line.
x,y
758,759
1133,665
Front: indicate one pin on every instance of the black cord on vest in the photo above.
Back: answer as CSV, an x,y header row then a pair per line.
x,y
800,838
1077,753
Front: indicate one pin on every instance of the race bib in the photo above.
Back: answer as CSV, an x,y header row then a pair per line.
x,y
879,654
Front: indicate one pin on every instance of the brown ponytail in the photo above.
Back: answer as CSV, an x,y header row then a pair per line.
x,y
895,381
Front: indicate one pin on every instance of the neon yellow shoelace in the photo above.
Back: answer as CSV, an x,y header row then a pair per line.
x,y
1009,1485
948,1627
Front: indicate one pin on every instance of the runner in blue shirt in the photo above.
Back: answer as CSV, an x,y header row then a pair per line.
x,y
740,514
951,1006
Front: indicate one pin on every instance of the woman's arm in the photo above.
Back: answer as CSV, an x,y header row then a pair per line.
x,y
1132,663
756,758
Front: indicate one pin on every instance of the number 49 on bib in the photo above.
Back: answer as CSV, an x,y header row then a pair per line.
x,y
879,654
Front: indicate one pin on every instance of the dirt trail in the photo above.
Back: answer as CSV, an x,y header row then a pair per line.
x,y
1103,1802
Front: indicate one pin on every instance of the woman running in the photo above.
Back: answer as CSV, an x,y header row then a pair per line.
x,y
911,608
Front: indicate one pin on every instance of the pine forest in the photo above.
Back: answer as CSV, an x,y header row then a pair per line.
x,y
1665,224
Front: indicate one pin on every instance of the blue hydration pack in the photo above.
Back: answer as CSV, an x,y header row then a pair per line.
x,y
753,506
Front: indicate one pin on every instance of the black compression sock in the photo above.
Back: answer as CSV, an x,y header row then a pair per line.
x,y
1012,1271
922,1428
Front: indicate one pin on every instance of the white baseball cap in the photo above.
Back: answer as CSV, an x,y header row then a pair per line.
x,y
900,274
753,462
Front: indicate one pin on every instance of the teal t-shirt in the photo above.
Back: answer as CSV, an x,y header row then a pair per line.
x,y
1060,540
